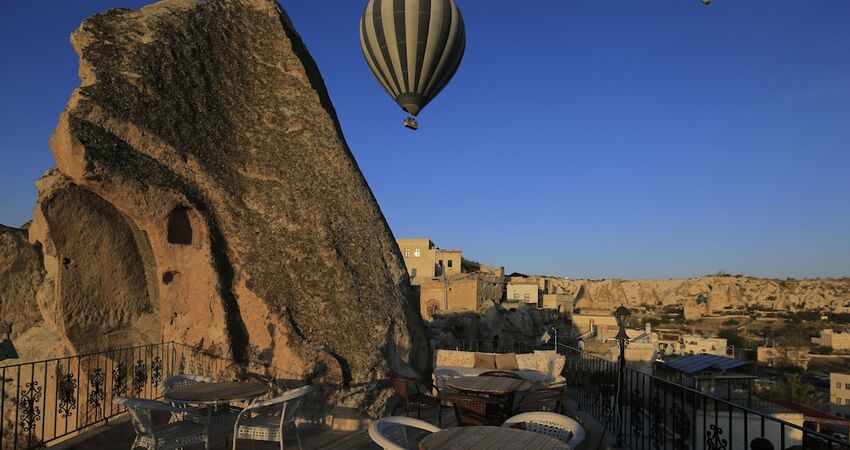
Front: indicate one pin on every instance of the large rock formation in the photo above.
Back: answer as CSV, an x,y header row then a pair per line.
x,y
205,194
712,293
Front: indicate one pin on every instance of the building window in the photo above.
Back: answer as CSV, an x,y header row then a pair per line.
x,y
525,296
450,263
416,253
838,400
846,385
441,263
516,295
407,253
413,272
847,401
838,384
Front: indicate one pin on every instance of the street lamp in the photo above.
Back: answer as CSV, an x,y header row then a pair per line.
x,y
621,314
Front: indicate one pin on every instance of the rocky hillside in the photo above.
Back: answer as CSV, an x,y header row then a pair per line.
x,y
204,194
718,293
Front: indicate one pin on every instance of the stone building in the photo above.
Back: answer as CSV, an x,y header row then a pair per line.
x,y
424,260
839,393
829,338
783,356
458,292
524,291
562,302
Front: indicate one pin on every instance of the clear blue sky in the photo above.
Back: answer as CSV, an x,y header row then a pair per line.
x,y
654,138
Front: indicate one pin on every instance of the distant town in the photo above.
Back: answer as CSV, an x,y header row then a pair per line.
x,y
781,347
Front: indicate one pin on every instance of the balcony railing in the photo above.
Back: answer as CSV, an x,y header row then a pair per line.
x,y
644,411
42,402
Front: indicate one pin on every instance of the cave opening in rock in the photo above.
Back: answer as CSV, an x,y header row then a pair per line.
x,y
179,227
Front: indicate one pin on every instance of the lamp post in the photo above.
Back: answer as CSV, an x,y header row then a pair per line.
x,y
621,314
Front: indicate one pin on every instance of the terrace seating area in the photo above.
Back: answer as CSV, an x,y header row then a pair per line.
x,y
170,395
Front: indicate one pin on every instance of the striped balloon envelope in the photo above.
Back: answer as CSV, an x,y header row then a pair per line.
x,y
413,47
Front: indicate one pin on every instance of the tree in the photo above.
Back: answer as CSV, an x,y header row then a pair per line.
x,y
793,388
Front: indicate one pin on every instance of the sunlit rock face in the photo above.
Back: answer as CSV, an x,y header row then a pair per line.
x,y
205,194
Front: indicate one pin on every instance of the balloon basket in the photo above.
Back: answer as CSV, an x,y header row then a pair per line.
x,y
411,123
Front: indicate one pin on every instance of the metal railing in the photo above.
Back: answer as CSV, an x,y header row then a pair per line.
x,y
45,401
644,411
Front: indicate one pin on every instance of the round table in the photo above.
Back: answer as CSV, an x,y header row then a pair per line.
x,y
499,386
214,394
483,438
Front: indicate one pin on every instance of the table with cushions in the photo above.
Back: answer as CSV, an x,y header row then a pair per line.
x,y
482,438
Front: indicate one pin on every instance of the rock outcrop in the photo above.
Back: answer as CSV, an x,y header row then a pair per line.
x,y
204,194
709,294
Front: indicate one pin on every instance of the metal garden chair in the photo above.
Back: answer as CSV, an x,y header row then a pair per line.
x,y
267,420
169,436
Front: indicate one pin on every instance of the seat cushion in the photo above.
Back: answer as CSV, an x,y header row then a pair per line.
x,y
485,361
454,358
506,361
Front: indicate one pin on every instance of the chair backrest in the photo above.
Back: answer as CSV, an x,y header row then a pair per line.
x,y
474,410
290,401
391,432
176,381
563,428
500,373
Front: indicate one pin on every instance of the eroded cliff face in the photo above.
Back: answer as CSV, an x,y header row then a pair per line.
x,y
717,292
204,194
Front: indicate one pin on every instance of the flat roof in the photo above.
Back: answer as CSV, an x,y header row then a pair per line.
x,y
697,363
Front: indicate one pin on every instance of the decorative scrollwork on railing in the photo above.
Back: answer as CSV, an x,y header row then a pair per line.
x,y
140,377
30,412
97,389
636,407
156,370
681,428
657,425
119,379
713,441
67,395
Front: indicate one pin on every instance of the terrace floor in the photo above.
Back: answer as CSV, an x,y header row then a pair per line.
x,y
120,435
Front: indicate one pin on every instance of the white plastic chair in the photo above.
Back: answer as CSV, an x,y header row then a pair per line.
x,y
266,420
391,432
563,428
172,435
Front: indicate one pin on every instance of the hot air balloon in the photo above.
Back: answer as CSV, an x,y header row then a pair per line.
x,y
413,47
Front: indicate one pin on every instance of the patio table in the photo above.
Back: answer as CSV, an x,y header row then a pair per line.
x,y
483,438
212,395
498,386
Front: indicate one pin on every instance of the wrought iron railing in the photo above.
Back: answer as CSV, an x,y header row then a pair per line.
x,y
45,401
644,411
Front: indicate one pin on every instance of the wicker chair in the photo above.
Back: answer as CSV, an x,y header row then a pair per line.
x,y
563,428
472,410
549,399
267,420
172,435
413,394
500,373
391,432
